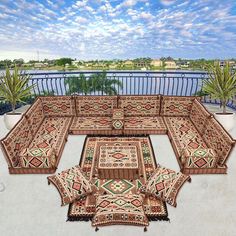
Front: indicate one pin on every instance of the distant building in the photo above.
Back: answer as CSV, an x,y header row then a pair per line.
x,y
223,63
156,63
39,65
113,66
128,63
183,64
170,65
141,64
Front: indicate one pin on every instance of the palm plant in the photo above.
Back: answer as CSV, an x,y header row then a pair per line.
x,y
14,87
221,84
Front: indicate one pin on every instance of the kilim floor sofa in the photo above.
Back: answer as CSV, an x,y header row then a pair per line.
x,y
35,144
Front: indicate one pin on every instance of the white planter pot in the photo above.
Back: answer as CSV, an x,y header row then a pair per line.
x,y
227,120
11,119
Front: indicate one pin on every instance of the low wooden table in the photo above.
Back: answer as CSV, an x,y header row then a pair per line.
x,y
118,161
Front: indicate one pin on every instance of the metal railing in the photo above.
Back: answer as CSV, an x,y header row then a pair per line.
x,y
180,83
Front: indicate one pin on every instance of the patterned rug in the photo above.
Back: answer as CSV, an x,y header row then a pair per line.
x,y
84,209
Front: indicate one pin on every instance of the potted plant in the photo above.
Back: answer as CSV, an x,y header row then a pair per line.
x,y
221,85
13,89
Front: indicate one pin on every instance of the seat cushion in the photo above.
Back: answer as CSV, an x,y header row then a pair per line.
x,y
52,134
199,116
140,105
124,209
144,125
183,134
91,125
95,105
165,184
199,158
176,105
71,184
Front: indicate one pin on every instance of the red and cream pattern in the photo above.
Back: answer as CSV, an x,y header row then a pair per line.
x,y
18,139
91,125
35,116
95,105
176,106
144,125
154,208
140,105
183,134
118,160
165,184
118,118
218,139
119,209
58,106
38,158
199,158
52,134
199,116
71,184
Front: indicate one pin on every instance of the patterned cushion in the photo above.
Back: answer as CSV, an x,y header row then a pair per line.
x,y
118,118
176,106
18,139
52,134
71,184
199,158
91,125
58,106
183,134
35,116
165,184
144,125
140,105
218,139
119,209
199,116
95,105
38,158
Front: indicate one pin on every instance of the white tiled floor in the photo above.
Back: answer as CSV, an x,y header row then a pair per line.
x,y
28,206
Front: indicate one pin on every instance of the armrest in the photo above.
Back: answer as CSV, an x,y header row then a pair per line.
x,y
38,157
199,158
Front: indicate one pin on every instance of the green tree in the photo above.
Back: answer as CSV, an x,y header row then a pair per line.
x,y
63,61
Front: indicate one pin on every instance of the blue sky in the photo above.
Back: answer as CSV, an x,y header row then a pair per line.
x,y
102,29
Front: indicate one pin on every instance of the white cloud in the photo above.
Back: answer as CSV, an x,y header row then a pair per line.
x,y
167,2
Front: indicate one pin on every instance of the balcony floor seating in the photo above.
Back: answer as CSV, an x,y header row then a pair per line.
x,y
35,144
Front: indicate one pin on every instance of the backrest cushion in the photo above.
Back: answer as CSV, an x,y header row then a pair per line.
x,y
199,115
35,115
16,140
95,105
140,105
58,106
176,105
218,139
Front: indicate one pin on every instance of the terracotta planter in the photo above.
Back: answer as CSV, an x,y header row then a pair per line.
x,y
10,119
226,119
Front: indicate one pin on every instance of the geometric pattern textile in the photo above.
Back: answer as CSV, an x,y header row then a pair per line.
x,y
144,125
176,106
199,158
140,105
183,134
37,158
118,118
218,139
84,209
165,184
95,105
119,209
118,159
58,106
199,116
71,184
